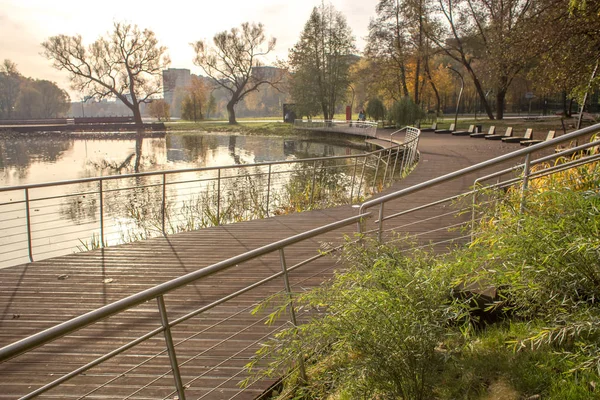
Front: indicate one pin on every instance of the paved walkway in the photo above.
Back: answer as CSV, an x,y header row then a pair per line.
x,y
39,295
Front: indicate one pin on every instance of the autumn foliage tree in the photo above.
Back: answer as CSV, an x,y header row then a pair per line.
x,y
126,64
160,110
195,102
234,62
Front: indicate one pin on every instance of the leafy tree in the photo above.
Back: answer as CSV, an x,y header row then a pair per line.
x,y
126,64
234,62
29,102
320,62
10,81
494,41
398,46
211,105
195,100
55,101
405,112
376,109
27,98
160,110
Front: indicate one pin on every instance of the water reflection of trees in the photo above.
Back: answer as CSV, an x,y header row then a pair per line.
x,y
133,207
19,153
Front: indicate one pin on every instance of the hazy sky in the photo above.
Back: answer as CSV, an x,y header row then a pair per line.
x,y
24,24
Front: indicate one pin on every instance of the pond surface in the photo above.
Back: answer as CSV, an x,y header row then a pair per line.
x,y
47,221
37,159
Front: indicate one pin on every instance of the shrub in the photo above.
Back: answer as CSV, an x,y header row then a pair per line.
x,y
405,112
375,109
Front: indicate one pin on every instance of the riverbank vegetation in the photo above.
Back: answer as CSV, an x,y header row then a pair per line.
x,y
514,315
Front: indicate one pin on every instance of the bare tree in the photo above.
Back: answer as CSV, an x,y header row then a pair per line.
x,y
126,64
234,62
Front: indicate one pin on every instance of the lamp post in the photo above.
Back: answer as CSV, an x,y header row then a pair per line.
x,y
462,86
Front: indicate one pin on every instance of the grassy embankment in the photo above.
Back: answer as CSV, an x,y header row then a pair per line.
x,y
244,126
258,126
394,325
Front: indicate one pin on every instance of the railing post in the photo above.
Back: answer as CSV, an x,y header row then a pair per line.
x,y
28,220
380,227
218,196
376,170
403,163
288,289
395,165
268,189
473,211
387,164
312,190
164,320
525,182
362,175
353,177
101,194
164,202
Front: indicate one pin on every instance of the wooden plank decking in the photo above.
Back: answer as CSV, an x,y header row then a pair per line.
x,y
38,295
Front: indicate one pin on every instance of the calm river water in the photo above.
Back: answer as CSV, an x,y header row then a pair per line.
x,y
36,159
44,222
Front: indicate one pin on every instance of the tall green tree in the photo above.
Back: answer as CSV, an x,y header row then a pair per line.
x,y
320,62
126,64
234,62
10,82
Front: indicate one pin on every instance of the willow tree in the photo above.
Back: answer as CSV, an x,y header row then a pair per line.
x,y
126,64
320,61
234,62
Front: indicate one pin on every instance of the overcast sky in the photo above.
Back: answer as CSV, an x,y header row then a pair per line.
x,y
24,24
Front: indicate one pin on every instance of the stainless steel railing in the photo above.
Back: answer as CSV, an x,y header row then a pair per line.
x,y
360,128
525,154
158,294
182,384
50,219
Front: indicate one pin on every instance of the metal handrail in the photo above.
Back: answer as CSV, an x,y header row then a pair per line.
x,y
77,323
157,292
222,174
184,170
380,201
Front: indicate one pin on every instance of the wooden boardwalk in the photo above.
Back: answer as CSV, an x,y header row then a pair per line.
x,y
38,295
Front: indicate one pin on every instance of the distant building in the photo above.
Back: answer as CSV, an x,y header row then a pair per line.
x,y
175,82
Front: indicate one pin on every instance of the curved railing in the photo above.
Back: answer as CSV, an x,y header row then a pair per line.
x,y
360,128
185,327
45,220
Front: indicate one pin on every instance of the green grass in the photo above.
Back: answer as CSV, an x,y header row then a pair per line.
x,y
246,127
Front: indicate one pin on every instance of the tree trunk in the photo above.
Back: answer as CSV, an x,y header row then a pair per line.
x,y
566,111
137,117
231,112
500,104
486,105
139,140
433,87
417,74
